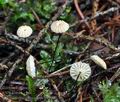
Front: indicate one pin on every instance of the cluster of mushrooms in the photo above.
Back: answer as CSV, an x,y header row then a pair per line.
x,y
78,71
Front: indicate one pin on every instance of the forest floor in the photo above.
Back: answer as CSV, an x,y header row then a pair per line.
x,y
94,29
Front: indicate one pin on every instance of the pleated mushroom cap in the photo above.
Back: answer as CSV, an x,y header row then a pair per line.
x,y
30,66
80,71
24,31
99,61
59,26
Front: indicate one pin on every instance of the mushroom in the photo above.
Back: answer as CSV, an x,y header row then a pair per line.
x,y
30,66
59,26
24,31
99,61
80,71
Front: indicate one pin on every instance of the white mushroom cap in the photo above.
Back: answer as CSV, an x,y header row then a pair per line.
x,y
30,66
80,71
98,61
24,31
59,26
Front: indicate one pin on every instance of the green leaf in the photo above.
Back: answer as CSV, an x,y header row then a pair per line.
x,y
59,49
110,93
45,8
31,17
48,37
47,95
46,59
91,99
3,2
44,54
31,87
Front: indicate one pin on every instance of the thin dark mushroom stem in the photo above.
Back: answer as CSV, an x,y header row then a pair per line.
x,y
55,51
74,85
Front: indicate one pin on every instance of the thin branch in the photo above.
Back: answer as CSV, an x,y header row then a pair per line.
x,y
99,14
80,13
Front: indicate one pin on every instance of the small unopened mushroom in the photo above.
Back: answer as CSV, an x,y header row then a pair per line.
x,y
30,66
99,61
59,26
24,31
80,71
